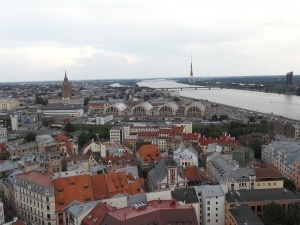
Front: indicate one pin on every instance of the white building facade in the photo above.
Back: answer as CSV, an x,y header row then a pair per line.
x,y
34,196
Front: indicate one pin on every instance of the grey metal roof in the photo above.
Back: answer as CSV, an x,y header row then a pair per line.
x,y
172,105
187,195
158,173
8,165
244,215
119,106
78,208
261,195
229,168
146,105
137,198
212,190
196,104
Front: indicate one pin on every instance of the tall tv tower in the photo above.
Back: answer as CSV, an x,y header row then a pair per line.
x,y
191,78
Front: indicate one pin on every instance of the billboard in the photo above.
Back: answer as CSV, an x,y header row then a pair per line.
x,y
29,119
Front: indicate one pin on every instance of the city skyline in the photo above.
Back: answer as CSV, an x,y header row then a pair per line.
x,y
132,39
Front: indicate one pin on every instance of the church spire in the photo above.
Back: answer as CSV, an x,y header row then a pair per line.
x,y
65,73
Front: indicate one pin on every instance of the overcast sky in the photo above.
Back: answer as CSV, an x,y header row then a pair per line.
x,y
112,39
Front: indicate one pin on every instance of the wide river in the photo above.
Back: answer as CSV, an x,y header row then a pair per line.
x,y
278,104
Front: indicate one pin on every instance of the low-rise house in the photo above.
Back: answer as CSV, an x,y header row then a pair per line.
x,y
95,146
148,156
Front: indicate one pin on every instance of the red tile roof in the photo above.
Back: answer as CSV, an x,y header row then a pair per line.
x,y
190,136
155,212
193,174
40,178
223,139
96,215
100,186
62,138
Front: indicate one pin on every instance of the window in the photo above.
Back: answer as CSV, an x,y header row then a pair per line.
x,y
208,202
208,214
85,187
208,208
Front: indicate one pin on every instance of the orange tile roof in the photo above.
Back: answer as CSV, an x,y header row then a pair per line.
x,y
85,188
68,189
100,186
40,178
62,138
149,153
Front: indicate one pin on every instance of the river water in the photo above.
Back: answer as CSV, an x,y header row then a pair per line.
x,y
277,104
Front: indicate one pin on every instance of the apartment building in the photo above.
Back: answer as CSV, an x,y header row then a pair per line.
x,y
282,155
34,196
212,198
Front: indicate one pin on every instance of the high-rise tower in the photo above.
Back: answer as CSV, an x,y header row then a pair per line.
x,y
191,78
66,90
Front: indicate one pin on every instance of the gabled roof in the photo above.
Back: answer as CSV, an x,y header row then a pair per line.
x,y
97,214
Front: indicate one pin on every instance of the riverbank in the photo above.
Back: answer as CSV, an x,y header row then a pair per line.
x,y
240,105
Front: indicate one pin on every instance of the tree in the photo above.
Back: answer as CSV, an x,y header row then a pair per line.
x,y
83,138
223,117
69,127
274,215
214,117
252,120
255,145
30,137
289,184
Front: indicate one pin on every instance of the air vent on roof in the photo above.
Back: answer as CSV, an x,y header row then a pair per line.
x,y
89,217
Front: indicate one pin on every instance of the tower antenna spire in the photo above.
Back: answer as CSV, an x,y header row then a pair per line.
x,y
191,78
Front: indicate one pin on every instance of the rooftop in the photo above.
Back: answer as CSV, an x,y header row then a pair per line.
x,y
261,195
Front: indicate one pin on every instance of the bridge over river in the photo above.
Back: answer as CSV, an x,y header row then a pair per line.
x,y
186,88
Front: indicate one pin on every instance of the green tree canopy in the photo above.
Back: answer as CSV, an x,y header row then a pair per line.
x,y
69,127
274,215
83,138
30,137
